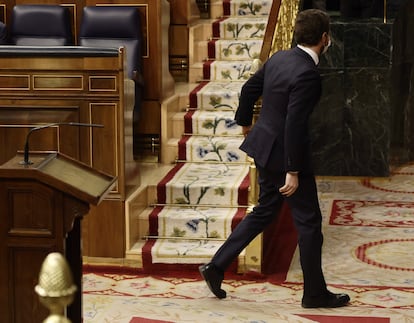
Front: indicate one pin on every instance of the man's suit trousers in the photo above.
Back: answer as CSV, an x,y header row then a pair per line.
x,y
307,217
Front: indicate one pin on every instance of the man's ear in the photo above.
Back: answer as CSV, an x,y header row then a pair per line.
x,y
325,38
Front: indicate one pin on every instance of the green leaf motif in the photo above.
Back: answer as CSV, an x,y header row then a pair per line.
x,y
260,26
181,200
214,234
226,74
215,100
257,8
208,124
219,191
231,27
178,233
240,50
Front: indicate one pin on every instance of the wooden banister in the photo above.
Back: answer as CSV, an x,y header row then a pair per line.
x,y
270,30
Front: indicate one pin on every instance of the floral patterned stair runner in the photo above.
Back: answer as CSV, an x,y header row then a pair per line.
x,y
246,7
205,184
211,148
206,195
203,202
230,58
187,229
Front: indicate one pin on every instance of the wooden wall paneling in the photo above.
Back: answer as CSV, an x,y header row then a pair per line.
x,y
16,119
183,11
153,113
103,230
106,114
79,89
33,227
178,52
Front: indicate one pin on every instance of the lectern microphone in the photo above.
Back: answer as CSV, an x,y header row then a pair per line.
x,y
26,160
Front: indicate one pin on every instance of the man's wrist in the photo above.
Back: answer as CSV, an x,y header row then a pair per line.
x,y
291,172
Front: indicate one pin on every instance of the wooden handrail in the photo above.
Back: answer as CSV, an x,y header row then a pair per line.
x,y
270,30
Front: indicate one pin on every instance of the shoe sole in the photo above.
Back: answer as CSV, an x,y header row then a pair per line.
x,y
220,296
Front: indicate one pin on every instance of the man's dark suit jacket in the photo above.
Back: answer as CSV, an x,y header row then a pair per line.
x,y
290,86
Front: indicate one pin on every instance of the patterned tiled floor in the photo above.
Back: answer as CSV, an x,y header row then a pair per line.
x,y
368,253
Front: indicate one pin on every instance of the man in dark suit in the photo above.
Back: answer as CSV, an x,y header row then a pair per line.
x,y
290,86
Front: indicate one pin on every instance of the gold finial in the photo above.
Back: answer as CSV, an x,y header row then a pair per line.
x,y
55,288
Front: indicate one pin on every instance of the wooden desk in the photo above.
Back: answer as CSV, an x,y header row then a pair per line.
x,y
42,206
44,85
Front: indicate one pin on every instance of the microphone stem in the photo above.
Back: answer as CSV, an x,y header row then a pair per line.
x,y
26,152
26,160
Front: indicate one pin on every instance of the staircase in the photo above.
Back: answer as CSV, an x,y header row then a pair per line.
x,y
205,192
206,184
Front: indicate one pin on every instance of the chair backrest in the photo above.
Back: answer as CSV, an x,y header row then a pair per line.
x,y
4,36
114,26
41,25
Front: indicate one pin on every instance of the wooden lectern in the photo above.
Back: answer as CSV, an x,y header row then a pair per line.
x,y
41,208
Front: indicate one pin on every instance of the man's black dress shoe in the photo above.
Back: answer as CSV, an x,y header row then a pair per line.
x,y
213,277
327,300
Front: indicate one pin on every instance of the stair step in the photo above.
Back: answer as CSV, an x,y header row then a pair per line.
x,y
205,184
198,222
195,72
170,151
216,9
234,50
215,96
189,235
246,8
240,28
184,252
212,148
227,70
177,124
200,53
208,123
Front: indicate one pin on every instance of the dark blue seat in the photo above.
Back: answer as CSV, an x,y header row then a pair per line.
x,y
4,35
116,26
41,25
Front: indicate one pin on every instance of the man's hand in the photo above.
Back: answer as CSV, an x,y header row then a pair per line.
x,y
291,184
246,130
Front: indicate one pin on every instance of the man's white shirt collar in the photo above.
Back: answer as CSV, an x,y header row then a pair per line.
x,y
312,54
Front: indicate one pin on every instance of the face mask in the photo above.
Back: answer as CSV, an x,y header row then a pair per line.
x,y
325,48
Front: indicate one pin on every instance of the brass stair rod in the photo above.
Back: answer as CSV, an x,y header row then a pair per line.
x,y
181,238
385,11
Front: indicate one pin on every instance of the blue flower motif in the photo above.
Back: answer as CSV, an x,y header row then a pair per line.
x,y
230,123
237,67
202,152
193,225
231,156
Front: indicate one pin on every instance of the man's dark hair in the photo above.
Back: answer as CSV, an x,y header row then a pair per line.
x,y
310,26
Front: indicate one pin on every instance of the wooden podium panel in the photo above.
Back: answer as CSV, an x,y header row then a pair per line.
x,y
73,84
42,206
